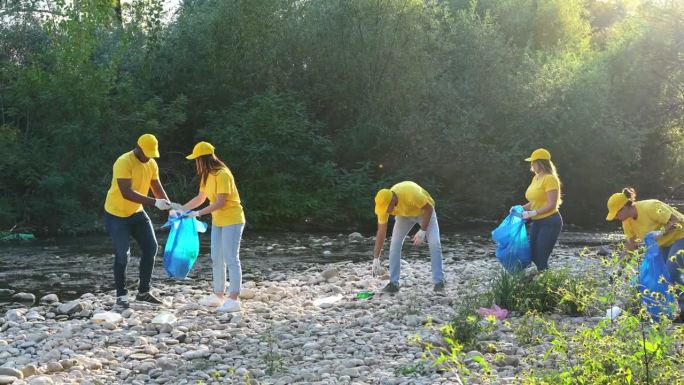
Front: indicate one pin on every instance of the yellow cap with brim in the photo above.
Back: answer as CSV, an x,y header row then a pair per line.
x,y
539,154
201,148
615,203
149,145
382,201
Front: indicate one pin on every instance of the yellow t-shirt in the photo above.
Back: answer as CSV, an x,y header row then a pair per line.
x,y
411,199
536,193
127,166
222,182
653,215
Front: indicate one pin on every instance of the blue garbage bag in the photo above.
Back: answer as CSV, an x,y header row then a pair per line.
x,y
512,245
182,245
653,281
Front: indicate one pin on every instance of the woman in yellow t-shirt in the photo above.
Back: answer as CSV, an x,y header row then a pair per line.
x,y
228,221
543,199
641,217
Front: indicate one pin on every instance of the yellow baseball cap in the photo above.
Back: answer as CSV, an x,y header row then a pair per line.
x,y
540,153
382,201
149,145
615,203
201,148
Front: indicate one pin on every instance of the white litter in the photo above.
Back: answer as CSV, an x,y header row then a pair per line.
x,y
107,316
327,300
164,318
613,313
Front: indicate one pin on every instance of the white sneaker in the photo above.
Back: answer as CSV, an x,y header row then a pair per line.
x,y
211,300
230,306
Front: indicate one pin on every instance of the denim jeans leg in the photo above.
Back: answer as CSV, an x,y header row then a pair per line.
x,y
435,247
402,226
119,231
231,256
218,263
543,237
143,233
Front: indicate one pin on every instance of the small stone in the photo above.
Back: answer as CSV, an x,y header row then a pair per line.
x,y
247,293
54,367
603,251
29,370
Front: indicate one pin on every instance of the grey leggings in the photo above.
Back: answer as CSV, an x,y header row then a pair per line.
x,y
543,236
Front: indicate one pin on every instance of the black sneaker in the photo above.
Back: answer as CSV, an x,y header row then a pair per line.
x,y
122,301
148,297
391,288
439,286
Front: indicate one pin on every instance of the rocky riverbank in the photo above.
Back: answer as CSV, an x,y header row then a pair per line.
x,y
302,325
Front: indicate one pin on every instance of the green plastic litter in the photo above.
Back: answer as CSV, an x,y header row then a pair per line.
x,y
365,295
4,237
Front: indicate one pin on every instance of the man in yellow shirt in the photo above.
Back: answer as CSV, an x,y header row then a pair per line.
x,y
134,174
410,204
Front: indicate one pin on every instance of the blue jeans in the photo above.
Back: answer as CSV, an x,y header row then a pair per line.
x,y
674,258
121,229
225,250
543,236
402,226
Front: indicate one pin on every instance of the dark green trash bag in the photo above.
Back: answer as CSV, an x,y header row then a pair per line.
x,y
182,245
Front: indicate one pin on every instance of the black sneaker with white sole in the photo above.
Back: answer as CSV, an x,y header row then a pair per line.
x,y
148,297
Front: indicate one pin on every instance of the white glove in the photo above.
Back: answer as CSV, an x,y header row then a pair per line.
x,y
529,214
174,213
176,206
419,237
162,204
376,266
193,214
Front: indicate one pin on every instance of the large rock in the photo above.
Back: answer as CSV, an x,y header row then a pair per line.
x,y
41,380
7,379
50,298
11,372
71,307
24,298
29,370
355,236
329,273
16,315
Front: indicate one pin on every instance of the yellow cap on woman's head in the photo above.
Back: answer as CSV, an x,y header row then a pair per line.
x,y
539,154
201,148
615,203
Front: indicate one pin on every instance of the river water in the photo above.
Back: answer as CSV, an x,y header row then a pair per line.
x,y
70,267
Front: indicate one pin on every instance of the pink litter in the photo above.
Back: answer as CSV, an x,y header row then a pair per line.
x,y
495,310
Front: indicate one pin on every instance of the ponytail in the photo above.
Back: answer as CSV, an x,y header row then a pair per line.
x,y
631,194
